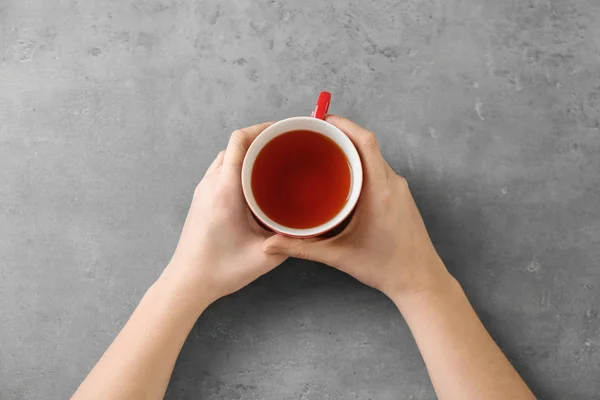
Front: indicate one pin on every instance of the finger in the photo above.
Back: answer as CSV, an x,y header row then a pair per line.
x,y
365,142
238,145
217,162
314,249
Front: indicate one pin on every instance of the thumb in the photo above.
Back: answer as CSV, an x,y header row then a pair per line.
x,y
313,249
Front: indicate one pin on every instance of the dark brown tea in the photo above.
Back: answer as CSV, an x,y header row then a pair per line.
x,y
301,179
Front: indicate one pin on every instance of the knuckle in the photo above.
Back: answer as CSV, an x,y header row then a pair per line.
x,y
223,193
198,189
237,136
402,182
388,197
299,253
369,140
220,214
221,208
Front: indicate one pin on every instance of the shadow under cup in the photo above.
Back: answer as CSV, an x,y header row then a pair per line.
x,y
307,156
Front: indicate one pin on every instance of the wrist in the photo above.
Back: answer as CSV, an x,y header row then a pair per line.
x,y
427,279
183,291
442,286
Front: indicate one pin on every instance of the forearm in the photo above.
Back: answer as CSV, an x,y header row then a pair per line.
x,y
140,361
463,360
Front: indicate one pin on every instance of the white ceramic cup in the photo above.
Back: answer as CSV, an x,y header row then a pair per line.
x,y
325,129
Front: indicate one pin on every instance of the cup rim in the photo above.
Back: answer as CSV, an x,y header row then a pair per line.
x,y
326,129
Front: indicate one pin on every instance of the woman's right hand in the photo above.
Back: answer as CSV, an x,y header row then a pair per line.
x,y
386,244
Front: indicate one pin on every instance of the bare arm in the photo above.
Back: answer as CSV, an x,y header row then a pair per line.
x,y
139,362
219,252
386,246
463,360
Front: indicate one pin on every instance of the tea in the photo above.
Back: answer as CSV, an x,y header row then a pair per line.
x,y
301,179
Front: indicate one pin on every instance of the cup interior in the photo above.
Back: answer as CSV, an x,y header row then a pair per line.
x,y
315,125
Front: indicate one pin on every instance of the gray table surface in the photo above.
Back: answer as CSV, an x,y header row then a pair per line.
x,y
111,110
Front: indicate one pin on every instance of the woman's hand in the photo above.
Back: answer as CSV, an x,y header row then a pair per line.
x,y
386,244
220,249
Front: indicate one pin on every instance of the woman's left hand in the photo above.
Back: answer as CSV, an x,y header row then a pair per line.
x,y
220,248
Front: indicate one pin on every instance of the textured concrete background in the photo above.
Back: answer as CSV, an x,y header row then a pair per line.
x,y
111,110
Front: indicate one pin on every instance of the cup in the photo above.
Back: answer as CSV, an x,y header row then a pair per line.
x,y
315,123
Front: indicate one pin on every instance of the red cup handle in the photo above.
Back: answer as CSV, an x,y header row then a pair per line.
x,y
322,105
